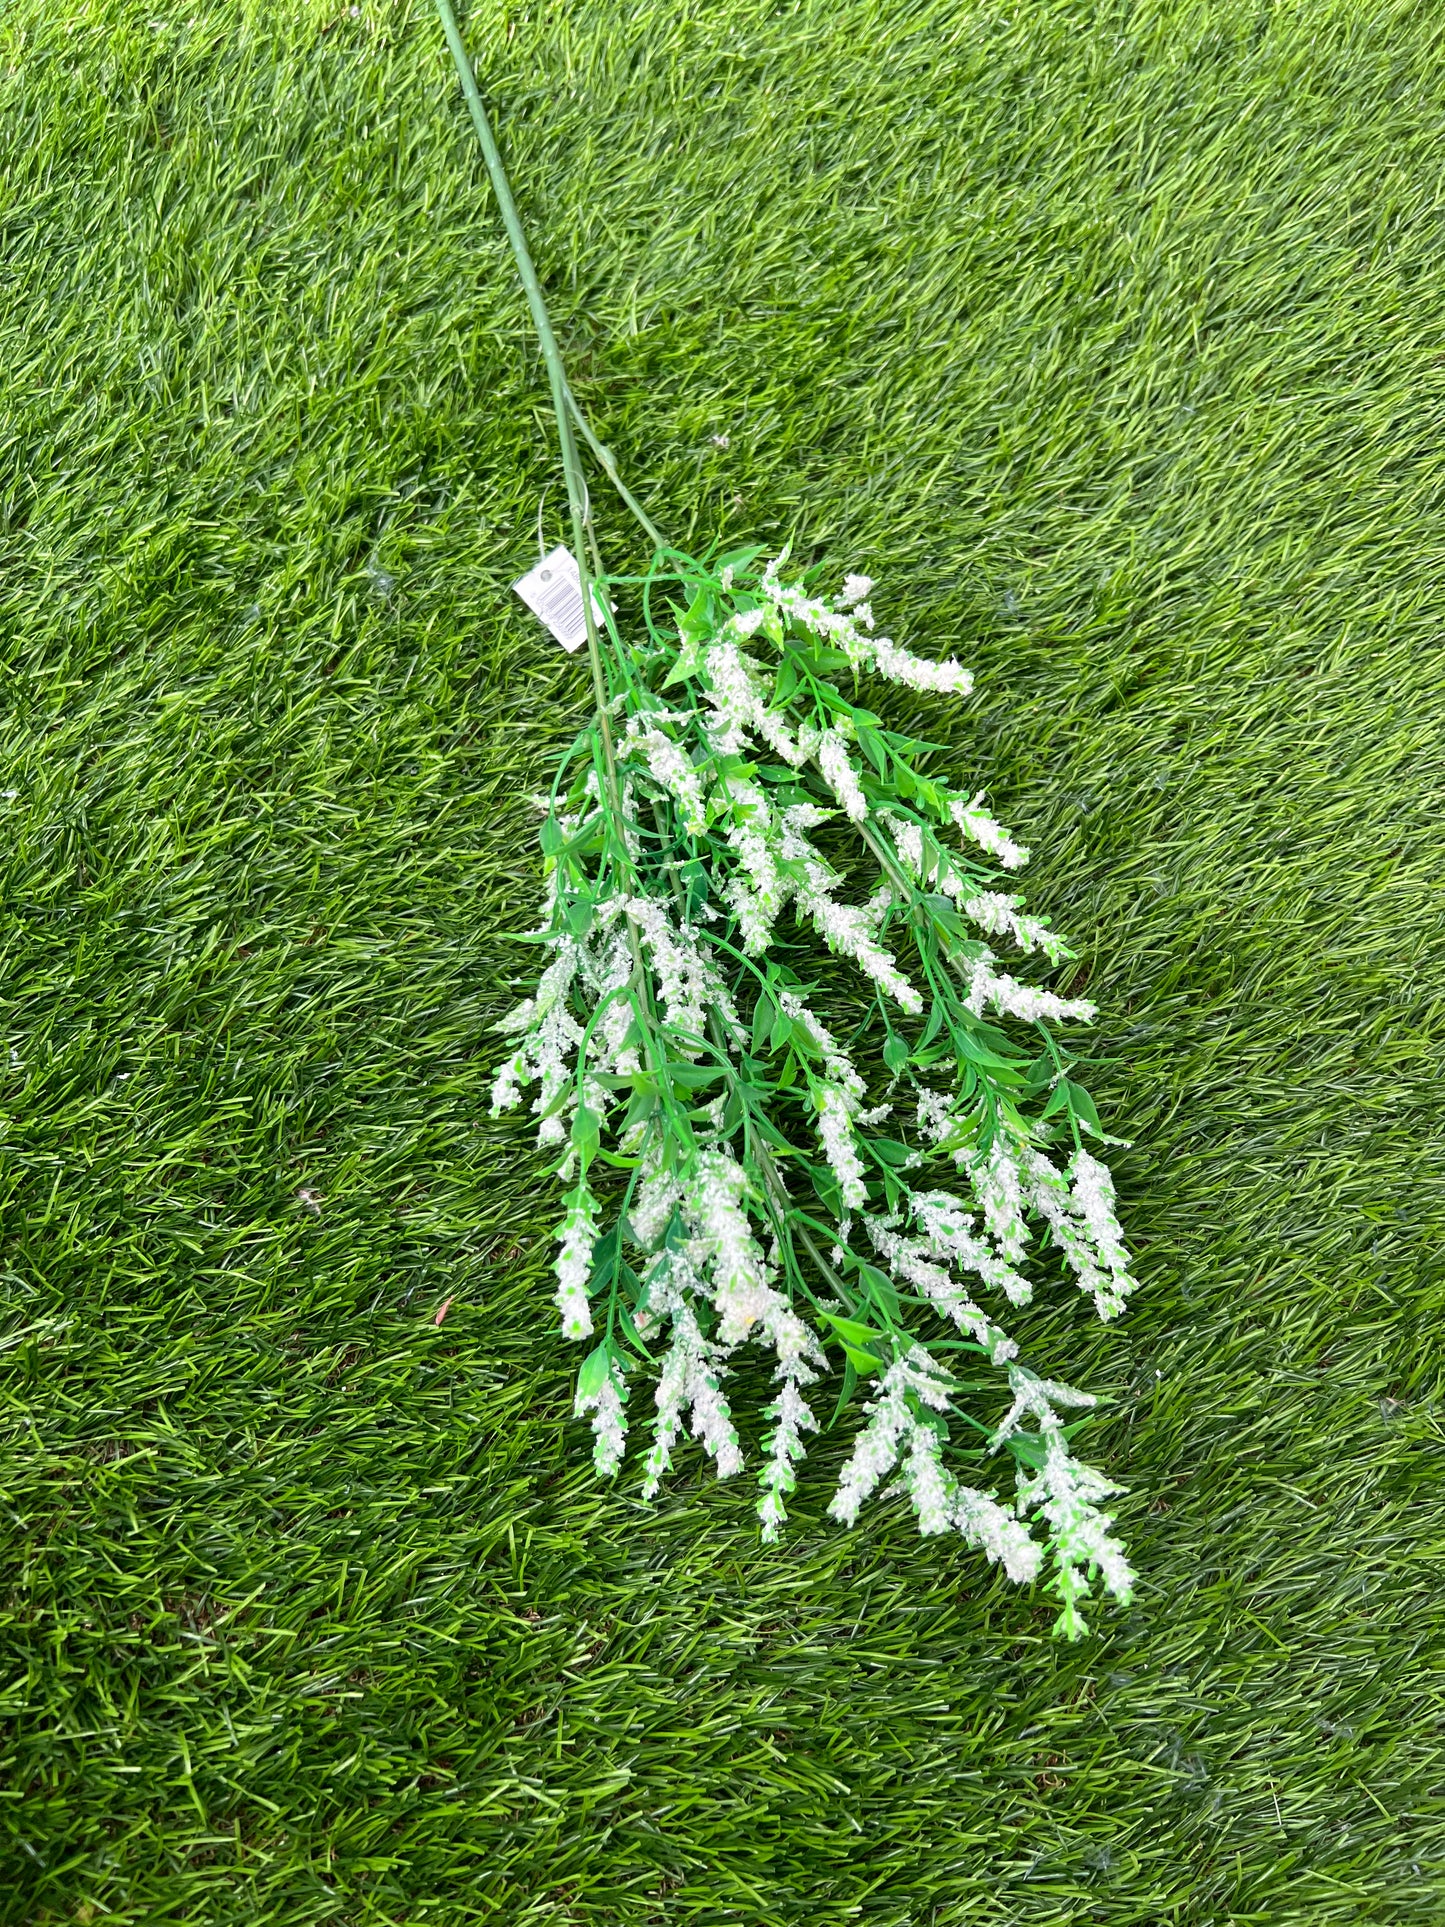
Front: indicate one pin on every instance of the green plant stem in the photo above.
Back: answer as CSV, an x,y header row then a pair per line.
x,y
577,496
605,457
564,407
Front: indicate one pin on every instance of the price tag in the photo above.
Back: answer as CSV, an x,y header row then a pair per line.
x,y
553,591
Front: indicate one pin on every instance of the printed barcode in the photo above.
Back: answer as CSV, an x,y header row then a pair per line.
x,y
562,610
553,591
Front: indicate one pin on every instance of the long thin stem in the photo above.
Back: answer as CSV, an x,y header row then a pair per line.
x,y
577,499
565,408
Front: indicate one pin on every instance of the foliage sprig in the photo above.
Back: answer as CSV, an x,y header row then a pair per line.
x,y
729,1178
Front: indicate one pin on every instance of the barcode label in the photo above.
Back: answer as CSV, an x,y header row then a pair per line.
x,y
553,591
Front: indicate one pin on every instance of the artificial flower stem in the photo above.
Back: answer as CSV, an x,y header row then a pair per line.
x,y
577,498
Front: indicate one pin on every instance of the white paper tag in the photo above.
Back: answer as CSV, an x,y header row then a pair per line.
x,y
553,591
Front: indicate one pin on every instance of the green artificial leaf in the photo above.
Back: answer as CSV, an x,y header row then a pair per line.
x,y
1058,1099
578,914
738,560
825,1186
855,1340
881,1290
632,1335
604,1258
694,1077
871,743
688,663
765,1016
1001,1070
850,1328
888,1150
1083,1106
933,799
596,1368
694,880
1040,1075
945,916
550,836
802,1039
896,1052
850,1385
828,662
697,622
586,1132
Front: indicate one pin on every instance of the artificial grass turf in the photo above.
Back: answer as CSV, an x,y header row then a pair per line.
x,y
1108,339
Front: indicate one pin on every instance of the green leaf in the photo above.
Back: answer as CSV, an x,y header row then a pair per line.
x,y
738,560
1040,1074
596,1368
850,1385
1084,1110
586,1132
852,1330
896,1052
697,623
604,1258
632,1335
888,1150
550,836
881,1290
826,1187
871,743
689,663
802,1039
765,1015
694,1077
1058,1099
694,879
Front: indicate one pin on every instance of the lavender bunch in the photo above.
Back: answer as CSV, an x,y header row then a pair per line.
x,y
730,1177
754,1190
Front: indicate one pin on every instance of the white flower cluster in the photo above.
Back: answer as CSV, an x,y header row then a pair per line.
x,y
976,823
633,984
829,749
722,1266
845,627
847,928
776,864
909,1383
1013,1177
739,691
609,1421
669,766
916,1261
552,1033
691,1378
1025,1001
688,982
577,1234
835,1132
1066,1492
1000,915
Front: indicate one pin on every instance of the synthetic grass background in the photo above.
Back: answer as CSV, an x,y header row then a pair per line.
x,y
1110,339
